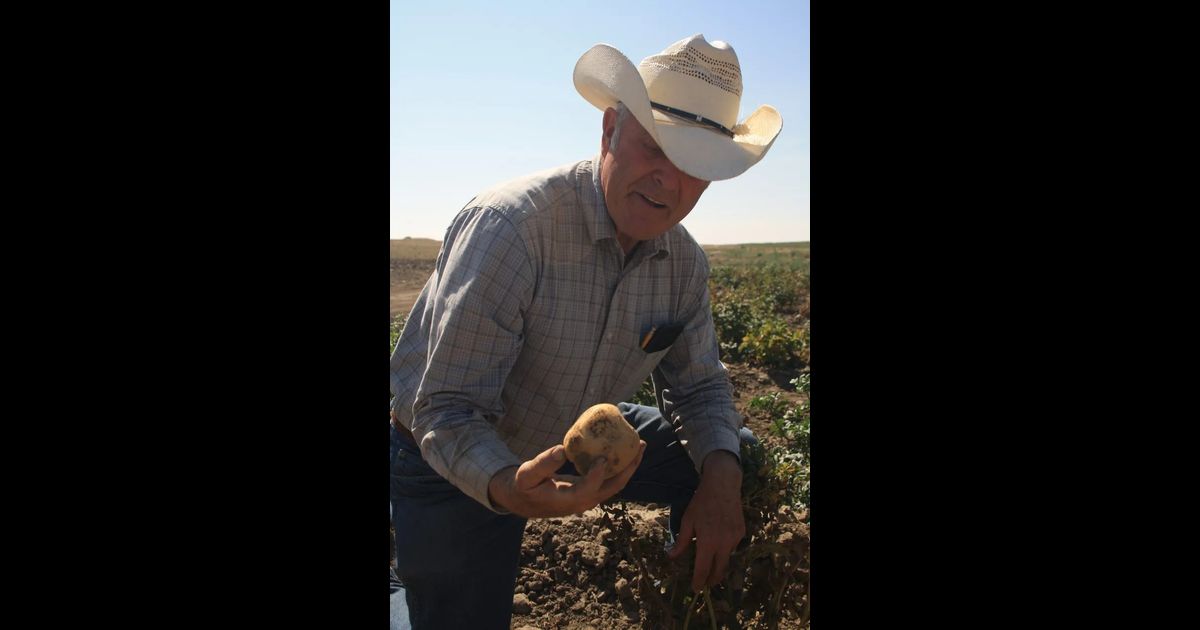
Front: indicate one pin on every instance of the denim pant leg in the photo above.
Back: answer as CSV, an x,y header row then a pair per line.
x,y
667,474
456,558
399,605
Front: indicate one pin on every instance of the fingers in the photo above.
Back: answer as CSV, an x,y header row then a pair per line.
x,y
540,468
686,532
712,559
712,562
704,564
717,533
720,567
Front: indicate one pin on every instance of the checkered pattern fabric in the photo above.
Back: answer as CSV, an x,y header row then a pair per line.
x,y
534,314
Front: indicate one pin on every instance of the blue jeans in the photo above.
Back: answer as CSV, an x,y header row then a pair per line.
x,y
399,605
458,560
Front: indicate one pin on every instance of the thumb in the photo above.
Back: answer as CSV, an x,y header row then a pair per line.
x,y
540,468
684,539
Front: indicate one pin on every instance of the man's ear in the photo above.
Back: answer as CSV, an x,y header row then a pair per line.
x,y
609,125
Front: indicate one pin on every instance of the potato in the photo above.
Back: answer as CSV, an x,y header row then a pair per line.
x,y
601,430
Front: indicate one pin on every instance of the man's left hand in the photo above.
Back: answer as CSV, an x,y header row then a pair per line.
x,y
714,519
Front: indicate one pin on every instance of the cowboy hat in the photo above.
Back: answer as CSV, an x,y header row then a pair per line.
x,y
687,98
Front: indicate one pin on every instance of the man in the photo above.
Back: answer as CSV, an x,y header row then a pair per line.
x,y
552,293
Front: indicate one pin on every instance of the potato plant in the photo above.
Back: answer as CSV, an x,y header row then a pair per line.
x,y
397,328
761,313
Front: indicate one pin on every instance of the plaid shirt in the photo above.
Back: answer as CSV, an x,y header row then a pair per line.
x,y
533,314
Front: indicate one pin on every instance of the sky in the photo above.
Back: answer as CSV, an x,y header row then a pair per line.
x,y
482,92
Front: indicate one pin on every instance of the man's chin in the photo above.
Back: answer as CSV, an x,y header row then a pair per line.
x,y
643,233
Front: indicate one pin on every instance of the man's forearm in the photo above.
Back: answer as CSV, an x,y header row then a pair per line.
x,y
467,453
719,461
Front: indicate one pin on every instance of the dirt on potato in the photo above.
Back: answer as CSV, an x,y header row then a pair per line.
x,y
601,431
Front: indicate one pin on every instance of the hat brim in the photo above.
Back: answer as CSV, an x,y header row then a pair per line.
x,y
604,76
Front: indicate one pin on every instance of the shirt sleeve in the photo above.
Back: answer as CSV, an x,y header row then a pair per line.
x,y
697,395
475,335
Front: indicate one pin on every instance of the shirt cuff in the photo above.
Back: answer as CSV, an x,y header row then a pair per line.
x,y
716,439
478,489
472,469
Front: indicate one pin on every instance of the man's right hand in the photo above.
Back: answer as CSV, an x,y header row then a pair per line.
x,y
533,490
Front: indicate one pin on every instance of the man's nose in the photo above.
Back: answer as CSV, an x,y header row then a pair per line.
x,y
666,176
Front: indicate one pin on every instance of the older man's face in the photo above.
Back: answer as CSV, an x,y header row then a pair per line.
x,y
645,194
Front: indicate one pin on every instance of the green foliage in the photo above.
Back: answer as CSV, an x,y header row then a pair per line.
x,y
804,336
773,344
775,476
760,311
733,321
790,255
769,405
794,427
397,328
645,395
753,307
775,499
782,469
793,423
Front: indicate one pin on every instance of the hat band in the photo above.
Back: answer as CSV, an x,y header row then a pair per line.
x,y
692,117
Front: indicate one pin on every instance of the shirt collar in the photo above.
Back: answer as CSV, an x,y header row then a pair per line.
x,y
600,225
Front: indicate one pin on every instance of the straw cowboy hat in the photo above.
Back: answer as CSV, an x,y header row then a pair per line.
x,y
687,97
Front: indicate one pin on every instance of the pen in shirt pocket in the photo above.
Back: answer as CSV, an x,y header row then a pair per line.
x,y
660,338
648,337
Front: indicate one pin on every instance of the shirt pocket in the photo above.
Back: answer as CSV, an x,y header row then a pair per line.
x,y
635,371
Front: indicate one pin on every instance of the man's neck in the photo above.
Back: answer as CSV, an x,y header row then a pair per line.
x,y
631,251
627,243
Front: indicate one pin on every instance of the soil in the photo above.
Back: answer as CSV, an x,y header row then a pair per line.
x,y
607,568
